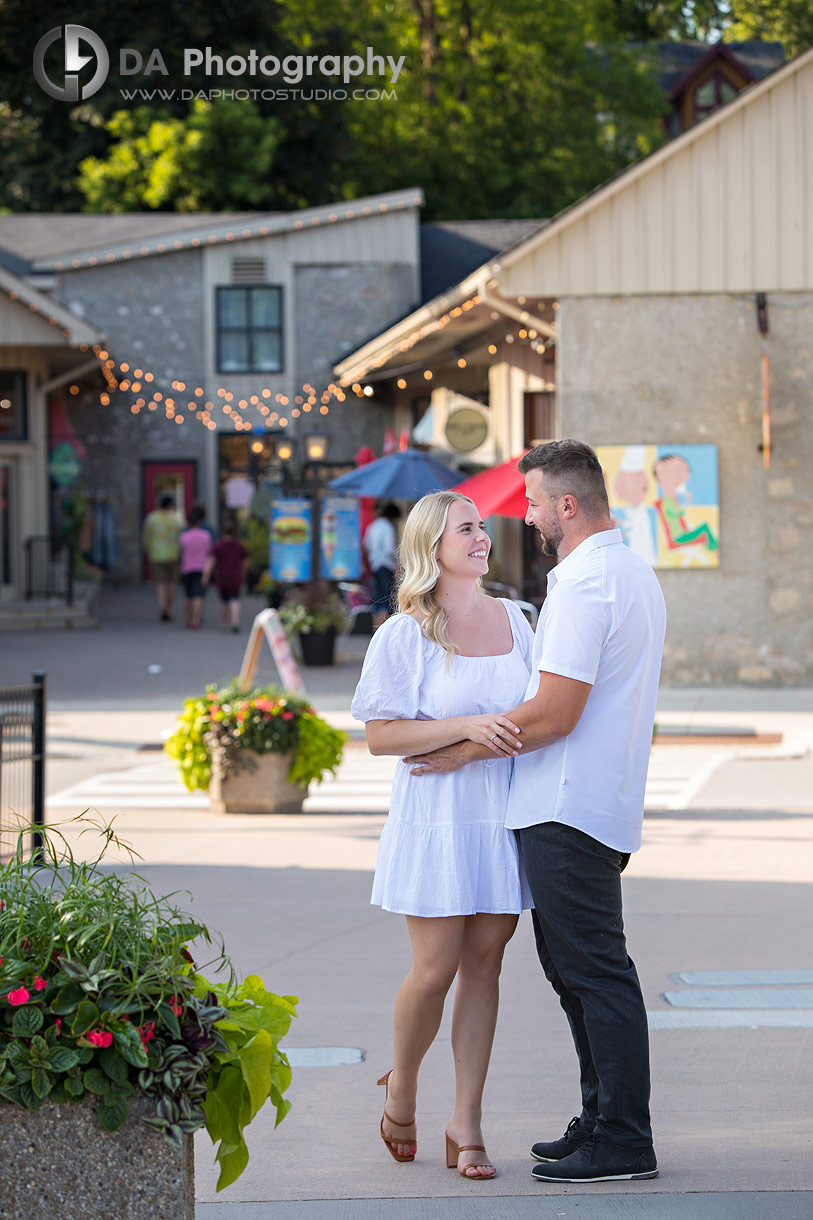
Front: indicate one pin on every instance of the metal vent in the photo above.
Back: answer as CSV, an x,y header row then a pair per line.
x,y
248,270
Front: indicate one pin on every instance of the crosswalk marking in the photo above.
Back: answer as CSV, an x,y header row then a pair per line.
x,y
361,785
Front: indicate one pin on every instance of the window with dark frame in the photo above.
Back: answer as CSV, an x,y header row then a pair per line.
x,y
13,412
249,329
712,94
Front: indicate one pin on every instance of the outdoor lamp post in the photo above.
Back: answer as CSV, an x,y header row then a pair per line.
x,y
316,447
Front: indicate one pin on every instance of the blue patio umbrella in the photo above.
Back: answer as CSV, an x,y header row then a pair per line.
x,y
405,475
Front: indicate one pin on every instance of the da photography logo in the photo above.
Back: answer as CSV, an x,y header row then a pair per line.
x,y
74,61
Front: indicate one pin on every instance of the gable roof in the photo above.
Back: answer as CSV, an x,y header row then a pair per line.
x,y
75,331
680,61
55,242
452,249
721,208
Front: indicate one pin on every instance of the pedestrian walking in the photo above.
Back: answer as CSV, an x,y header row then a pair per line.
x,y
381,548
576,801
227,565
445,859
159,538
195,543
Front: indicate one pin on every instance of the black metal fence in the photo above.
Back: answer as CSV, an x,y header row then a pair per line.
x,y
22,760
49,568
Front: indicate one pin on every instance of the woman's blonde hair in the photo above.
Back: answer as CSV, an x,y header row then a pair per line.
x,y
420,569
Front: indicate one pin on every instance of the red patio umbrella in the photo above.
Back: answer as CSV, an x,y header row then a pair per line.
x,y
498,492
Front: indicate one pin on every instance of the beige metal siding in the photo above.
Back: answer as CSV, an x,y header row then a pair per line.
x,y
728,207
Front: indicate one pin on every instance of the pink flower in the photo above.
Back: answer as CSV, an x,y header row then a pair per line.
x,y
287,715
20,996
58,1025
99,1037
40,983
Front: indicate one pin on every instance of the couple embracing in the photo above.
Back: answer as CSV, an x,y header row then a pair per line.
x,y
522,785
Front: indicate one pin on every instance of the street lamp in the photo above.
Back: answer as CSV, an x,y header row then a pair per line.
x,y
316,447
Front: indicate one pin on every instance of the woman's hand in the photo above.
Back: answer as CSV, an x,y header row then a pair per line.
x,y
494,731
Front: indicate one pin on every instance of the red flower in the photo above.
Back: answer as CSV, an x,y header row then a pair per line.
x,y
25,944
20,996
40,983
174,1005
58,1025
99,1037
146,1032
287,715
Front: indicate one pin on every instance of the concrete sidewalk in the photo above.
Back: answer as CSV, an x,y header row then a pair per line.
x,y
722,884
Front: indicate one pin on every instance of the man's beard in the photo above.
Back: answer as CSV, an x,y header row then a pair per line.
x,y
550,541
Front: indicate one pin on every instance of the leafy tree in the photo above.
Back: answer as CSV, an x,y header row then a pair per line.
x,y
217,159
787,21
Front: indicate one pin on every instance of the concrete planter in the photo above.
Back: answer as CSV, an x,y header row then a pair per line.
x,y
59,1163
261,786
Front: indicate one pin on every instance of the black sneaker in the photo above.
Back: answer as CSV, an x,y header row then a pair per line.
x,y
577,1132
597,1160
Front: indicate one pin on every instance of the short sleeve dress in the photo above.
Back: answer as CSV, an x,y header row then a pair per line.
x,y
444,849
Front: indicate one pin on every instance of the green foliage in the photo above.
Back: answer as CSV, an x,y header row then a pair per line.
x,y
100,998
250,1071
312,607
229,721
216,158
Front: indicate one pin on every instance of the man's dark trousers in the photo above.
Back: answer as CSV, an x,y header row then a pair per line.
x,y
576,886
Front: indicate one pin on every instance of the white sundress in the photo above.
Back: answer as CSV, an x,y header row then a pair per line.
x,y
444,849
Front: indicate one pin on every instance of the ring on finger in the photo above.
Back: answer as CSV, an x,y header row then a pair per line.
x,y
494,737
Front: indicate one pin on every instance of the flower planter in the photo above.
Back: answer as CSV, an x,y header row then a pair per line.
x,y
261,786
58,1162
318,647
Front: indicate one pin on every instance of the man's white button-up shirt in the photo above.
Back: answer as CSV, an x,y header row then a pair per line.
x,y
603,623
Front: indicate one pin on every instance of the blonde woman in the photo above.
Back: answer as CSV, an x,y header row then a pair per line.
x,y
445,859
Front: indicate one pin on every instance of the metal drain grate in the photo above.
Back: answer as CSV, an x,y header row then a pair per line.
x,y
750,1019
744,978
752,997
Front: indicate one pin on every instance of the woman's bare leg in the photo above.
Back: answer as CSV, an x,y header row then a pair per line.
x,y
473,1023
436,949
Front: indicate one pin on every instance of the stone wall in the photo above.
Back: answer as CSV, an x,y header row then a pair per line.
x,y
687,370
151,312
338,308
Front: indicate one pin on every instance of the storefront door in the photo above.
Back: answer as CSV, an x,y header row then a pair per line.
x,y
177,479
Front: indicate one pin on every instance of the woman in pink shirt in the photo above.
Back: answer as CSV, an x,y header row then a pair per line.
x,y
195,544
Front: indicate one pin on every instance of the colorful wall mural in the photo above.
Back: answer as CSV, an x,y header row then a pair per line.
x,y
665,499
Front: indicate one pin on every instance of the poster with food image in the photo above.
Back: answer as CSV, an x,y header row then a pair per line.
x,y
340,538
291,528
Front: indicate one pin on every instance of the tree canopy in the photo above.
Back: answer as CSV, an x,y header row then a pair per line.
x,y
501,108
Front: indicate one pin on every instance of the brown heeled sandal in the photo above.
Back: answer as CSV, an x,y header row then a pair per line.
x,y
388,1140
453,1151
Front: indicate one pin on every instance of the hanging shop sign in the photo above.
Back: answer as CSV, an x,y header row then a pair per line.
x,y
466,429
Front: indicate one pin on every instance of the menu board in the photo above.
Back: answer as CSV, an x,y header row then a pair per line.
x,y
339,538
291,531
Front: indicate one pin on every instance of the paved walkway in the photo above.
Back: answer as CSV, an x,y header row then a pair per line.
x,y
722,885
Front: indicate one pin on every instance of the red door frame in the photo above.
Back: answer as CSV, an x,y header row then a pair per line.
x,y
151,480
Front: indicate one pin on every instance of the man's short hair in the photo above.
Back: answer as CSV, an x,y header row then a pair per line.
x,y
570,468
166,501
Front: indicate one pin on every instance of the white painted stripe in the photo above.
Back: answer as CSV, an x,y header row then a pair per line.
x,y
743,1019
744,978
748,997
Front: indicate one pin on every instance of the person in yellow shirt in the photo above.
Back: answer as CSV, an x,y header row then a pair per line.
x,y
159,538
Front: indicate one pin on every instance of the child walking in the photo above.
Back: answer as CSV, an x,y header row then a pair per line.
x,y
227,563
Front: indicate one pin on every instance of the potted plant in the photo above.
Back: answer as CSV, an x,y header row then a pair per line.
x,y
314,614
256,751
107,1023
